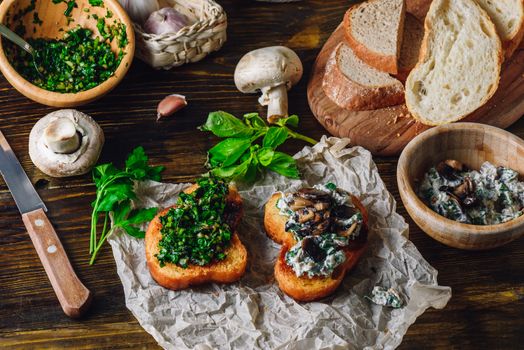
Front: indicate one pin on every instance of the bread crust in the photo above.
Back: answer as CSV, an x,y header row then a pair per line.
x,y
385,63
171,276
350,95
310,289
304,288
423,56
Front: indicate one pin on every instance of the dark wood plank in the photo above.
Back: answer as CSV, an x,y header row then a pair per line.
x,y
486,311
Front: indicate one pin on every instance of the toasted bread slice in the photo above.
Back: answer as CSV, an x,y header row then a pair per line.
x,y
409,53
229,270
309,289
353,85
275,224
304,288
418,8
374,30
459,64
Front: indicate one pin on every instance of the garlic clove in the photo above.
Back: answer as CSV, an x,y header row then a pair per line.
x,y
166,20
170,105
61,136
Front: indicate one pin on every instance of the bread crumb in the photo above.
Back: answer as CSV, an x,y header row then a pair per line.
x,y
398,134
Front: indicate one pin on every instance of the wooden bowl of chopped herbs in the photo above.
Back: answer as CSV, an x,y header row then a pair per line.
x,y
84,49
463,184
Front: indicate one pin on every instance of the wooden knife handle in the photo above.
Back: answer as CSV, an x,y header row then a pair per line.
x,y
74,297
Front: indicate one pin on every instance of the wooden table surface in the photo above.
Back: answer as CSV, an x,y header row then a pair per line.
x,y
487,307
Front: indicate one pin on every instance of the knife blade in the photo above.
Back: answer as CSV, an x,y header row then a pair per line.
x,y
73,296
23,192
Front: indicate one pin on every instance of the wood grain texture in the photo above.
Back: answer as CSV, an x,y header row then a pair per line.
x,y
472,144
53,26
386,131
487,307
73,296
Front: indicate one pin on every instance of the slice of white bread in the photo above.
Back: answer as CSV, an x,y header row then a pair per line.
x,y
353,85
409,53
419,8
459,65
508,16
374,30
225,271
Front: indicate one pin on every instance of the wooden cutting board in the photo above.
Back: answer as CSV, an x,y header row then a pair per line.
x,y
385,132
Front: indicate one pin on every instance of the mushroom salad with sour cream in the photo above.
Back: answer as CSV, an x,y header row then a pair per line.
x,y
324,220
489,196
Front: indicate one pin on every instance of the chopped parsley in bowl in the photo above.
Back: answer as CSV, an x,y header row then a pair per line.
x,y
75,63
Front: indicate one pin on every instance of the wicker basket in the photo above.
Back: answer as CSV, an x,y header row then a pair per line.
x,y
206,34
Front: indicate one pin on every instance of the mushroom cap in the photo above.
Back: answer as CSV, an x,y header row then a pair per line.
x,y
64,165
268,67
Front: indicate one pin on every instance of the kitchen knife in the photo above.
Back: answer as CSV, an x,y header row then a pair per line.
x,y
74,297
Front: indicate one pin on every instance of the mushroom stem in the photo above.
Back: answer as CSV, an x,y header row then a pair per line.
x,y
61,136
277,103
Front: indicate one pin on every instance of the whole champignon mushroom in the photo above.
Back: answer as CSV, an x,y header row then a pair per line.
x,y
65,143
273,71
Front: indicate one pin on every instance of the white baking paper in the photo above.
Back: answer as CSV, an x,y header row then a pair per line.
x,y
254,313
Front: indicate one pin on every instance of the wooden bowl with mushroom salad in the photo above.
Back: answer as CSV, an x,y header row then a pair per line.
x,y
463,184
84,49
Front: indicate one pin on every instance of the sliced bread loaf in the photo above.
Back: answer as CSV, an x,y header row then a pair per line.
x,y
374,31
413,35
419,8
508,16
459,65
353,85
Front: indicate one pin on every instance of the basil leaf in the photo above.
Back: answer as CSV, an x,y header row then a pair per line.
x,y
275,137
265,156
227,152
252,169
254,121
284,164
292,120
137,159
223,124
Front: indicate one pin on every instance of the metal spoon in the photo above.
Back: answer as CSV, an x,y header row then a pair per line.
x,y
15,38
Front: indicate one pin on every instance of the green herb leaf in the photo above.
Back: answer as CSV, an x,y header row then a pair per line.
x,y
265,156
223,124
96,2
115,190
275,137
285,165
292,120
227,152
253,120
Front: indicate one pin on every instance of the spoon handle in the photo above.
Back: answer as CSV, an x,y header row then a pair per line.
x,y
15,38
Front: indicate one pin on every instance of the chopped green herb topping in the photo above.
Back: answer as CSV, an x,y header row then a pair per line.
x,y
96,2
76,63
71,4
195,231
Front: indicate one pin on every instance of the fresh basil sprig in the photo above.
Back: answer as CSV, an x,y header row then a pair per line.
x,y
114,192
240,156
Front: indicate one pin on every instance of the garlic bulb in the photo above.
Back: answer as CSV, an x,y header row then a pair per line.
x,y
166,20
139,10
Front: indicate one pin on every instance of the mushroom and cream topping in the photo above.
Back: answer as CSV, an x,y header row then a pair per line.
x,y
489,196
323,220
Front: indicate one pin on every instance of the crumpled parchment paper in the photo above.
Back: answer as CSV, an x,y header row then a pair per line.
x,y
254,313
